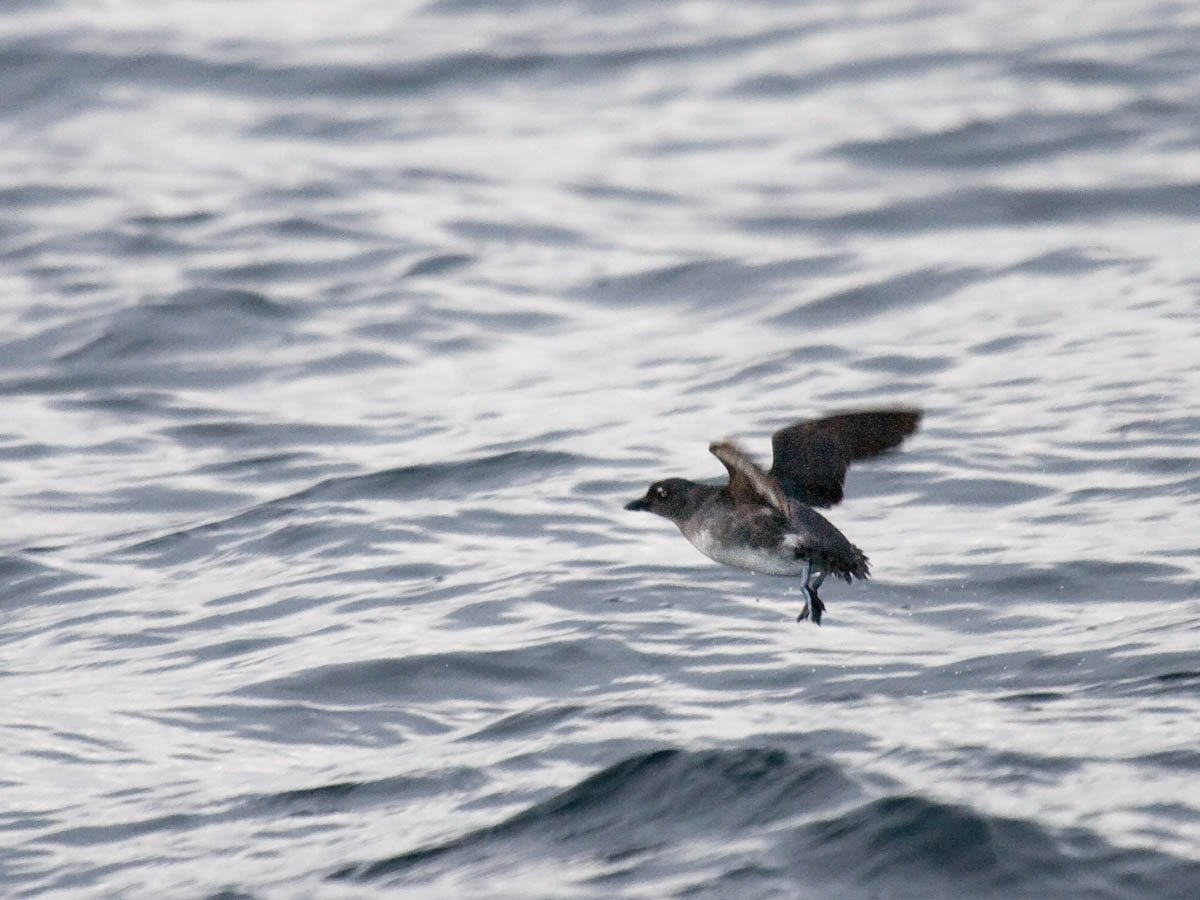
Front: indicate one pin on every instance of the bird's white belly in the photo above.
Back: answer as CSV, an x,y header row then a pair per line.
x,y
778,560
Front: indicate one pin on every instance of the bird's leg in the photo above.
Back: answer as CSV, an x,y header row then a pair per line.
x,y
818,607
804,590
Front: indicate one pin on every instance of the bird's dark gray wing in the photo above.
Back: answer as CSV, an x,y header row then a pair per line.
x,y
811,457
746,479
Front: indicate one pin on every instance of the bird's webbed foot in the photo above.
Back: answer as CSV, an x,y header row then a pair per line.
x,y
818,607
812,603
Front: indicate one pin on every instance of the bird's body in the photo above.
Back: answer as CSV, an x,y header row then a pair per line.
x,y
763,521
758,538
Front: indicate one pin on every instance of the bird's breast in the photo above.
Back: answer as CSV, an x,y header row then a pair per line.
x,y
774,559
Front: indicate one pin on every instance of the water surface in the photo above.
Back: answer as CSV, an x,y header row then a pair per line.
x,y
333,340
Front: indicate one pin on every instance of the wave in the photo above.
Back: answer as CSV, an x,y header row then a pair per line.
x,y
795,820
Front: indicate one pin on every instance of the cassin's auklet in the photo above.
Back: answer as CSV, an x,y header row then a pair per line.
x,y
765,521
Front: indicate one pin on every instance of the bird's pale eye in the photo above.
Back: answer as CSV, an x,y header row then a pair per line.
x,y
660,492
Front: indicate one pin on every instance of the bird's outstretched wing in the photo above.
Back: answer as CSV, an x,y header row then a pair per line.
x,y
746,479
811,457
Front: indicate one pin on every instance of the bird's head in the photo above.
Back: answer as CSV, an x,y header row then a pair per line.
x,y
672,498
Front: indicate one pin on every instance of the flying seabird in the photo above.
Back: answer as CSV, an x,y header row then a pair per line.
x,y
764,521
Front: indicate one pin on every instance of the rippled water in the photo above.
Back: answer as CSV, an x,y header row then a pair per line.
x,y
335,336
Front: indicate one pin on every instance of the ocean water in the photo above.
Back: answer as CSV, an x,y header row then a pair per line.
x,y
334,337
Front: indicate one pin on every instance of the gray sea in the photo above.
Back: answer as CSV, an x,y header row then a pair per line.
x,y
334,337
